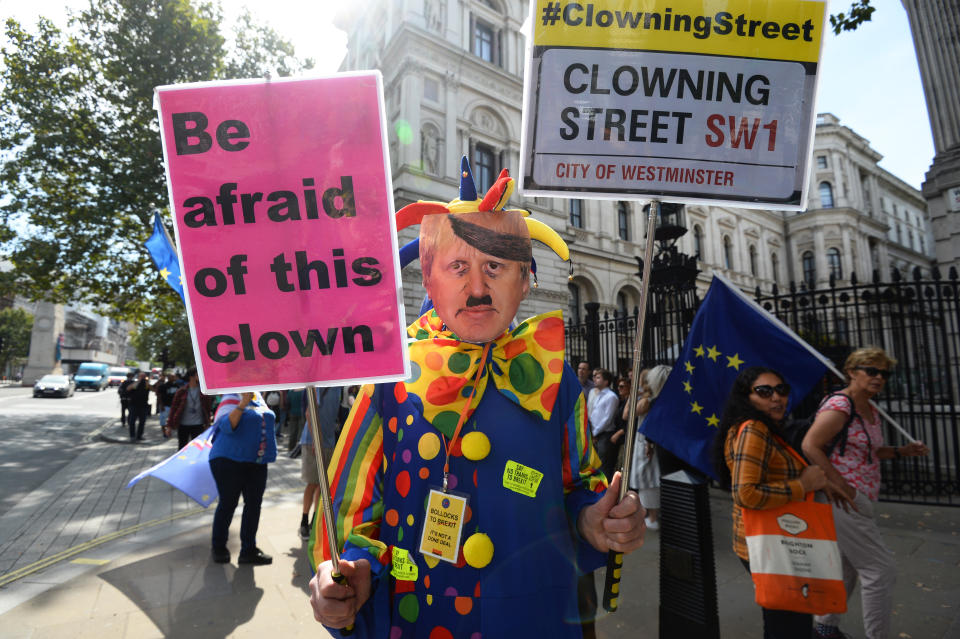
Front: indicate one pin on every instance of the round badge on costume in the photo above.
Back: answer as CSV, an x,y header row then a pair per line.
x,y
478,550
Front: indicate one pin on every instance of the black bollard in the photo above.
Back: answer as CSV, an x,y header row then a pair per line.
x,y
688,577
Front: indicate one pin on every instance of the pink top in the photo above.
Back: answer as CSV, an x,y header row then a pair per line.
x,y
853,466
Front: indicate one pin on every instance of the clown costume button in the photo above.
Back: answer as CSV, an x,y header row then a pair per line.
x,y
478,550
475,446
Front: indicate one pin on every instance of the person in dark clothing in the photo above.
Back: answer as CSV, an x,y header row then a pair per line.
x,y
138,394
124,398
190,411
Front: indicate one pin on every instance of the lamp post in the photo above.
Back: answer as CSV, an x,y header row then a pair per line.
x,y
672,271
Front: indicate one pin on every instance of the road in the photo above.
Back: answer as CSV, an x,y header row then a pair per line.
x,y
42,434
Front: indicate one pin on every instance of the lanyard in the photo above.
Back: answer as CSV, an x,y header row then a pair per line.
x,y
463,414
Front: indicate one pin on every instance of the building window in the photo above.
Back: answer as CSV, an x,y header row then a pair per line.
x,y
431,89
833,261
753,260
774,268
809,269
910,239
826,195
727,252
574,308
899,234
483,168
576,213
622,304
483,41
821,161
623,221
698,242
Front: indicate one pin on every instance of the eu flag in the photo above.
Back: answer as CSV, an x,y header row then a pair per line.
x,y
164,255
730,332
188,470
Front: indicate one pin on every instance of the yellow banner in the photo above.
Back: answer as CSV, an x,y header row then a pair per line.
x,y
766,29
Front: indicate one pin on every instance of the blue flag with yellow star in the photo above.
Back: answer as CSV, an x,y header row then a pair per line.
x,y
164,255
730,332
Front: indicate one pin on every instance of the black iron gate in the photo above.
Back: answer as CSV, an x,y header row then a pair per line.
x,y
917,322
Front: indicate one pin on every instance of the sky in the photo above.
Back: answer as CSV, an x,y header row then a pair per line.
x,y
869,78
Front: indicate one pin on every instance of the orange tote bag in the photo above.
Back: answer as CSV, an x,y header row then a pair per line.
x,y
794,558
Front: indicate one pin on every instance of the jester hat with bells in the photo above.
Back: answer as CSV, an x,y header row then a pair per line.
x,y
480,238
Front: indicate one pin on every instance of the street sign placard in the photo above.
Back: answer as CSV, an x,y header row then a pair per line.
x,y
671,100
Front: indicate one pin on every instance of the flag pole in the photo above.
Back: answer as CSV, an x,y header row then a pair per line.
x,y
611,588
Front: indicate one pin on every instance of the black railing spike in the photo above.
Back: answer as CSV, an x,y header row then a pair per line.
x,y
876,276
953,273
853,278
793,286
775,290
917,274
757,294
894,274
833,280
935,273
636,311
606,315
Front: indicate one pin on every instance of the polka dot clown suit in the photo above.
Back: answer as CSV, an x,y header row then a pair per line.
x,y
508,419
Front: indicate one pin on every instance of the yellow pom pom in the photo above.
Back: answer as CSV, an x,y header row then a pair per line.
x,y
478,550
475,446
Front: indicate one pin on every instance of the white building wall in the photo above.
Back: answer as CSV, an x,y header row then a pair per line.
x,y
427,44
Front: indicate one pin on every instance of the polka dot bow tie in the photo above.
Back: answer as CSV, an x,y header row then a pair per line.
x,y
525,364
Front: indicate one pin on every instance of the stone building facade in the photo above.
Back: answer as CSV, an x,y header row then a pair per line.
x,y
453,82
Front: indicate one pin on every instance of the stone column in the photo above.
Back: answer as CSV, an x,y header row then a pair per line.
x,y
48,325
451,167
935,25
846,259
819,256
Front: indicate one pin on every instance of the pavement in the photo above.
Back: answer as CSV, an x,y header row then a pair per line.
x,y
84,556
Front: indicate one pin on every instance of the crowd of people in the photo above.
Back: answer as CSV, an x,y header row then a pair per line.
x,y
479,496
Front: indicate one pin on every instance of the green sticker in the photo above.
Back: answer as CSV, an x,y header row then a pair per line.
x,y
404,569
521,479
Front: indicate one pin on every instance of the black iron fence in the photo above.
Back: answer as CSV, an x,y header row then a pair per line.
x,y
917,321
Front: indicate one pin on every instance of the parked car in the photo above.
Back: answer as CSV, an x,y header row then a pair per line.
x,y
118,374
54,385
92,375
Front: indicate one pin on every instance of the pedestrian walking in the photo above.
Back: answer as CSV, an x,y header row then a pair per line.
x,y
645,470
243,446
138,393
846,441
296,416
124,395
752,458
190,411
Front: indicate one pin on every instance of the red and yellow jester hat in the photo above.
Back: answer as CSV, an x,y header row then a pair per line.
x,y
468,202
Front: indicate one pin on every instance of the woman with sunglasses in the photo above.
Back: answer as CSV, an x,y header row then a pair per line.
x,y
751,456
855,469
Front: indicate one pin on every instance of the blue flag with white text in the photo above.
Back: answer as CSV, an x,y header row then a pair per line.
x,y
730,332
165,255
188,470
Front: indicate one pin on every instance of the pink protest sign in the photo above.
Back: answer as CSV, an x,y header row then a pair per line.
x,y
284,220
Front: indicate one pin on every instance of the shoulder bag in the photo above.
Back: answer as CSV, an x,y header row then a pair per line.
x,y
794,558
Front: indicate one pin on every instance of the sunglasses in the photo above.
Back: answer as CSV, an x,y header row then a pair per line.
x,y
766,390
873,371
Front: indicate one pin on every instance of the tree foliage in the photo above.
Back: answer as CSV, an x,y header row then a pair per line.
x,y
860,11
167,330
82,169
15,327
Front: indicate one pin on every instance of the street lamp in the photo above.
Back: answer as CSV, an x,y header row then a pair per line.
x,y
671,270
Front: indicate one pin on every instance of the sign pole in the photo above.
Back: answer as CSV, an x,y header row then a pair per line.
x,y
325,500
611,588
